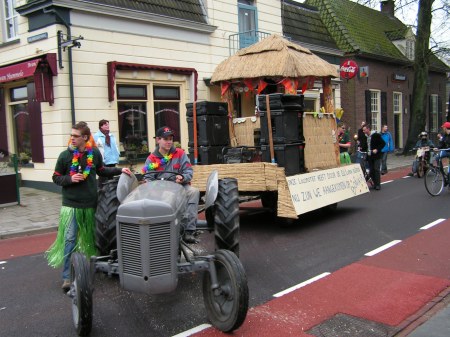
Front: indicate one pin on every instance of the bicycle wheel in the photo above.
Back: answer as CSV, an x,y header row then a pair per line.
x,y
434,181
421,169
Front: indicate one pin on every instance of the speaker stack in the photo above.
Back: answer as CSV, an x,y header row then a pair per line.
x,y
286,116
212,131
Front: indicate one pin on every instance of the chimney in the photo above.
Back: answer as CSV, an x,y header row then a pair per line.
x,y
387,7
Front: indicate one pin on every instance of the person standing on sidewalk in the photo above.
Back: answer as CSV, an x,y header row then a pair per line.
x,y
106,143
375,144
389,147
75,172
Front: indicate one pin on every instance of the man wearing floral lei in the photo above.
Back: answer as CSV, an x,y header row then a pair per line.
x,y
166,157
75,171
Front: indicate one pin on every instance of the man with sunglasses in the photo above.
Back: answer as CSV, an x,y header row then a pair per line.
x,y
75,171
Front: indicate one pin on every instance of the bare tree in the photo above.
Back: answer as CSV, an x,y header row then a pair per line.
x,y
423,51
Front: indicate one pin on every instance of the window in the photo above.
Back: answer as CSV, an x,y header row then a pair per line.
x,y
248,23
375,109
10,17
397,102
132,109
21,121
434,127
166,103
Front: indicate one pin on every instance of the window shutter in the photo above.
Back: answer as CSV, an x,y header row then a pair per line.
x,y
384,117
430,115
3,133
34,109
368,108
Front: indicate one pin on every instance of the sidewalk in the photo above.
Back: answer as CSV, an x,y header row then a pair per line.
x,y
39,213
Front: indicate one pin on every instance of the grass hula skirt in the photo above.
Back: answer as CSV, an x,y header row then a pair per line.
x,y
85,236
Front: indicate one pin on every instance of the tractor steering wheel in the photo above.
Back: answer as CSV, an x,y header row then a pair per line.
x,y
172,175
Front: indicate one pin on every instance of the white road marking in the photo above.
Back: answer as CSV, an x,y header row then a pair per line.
x,y
406,177
380,249
2,262
193,330
386,182
300,285
434,223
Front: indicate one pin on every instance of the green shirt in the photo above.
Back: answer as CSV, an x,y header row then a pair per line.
x,y
82,194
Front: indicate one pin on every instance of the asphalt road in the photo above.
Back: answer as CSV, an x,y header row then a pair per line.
x,y
275,258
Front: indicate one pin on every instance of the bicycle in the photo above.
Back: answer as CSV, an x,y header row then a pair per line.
x,y
436,177
365,169
422,160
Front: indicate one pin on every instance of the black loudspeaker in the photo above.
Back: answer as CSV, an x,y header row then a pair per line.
x,y
289,156
287,126
282,102
207,108
207,155
211,130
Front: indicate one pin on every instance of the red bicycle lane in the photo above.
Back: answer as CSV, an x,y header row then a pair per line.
x,y
391,288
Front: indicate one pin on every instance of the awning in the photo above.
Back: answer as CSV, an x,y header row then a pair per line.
x,y
42,69
114,65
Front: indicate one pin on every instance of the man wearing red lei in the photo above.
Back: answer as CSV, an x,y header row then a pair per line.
x,y
166,157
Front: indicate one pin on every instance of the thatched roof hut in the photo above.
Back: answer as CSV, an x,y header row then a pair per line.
x,y
273,57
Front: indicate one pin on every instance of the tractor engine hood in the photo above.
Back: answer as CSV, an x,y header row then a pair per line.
x,y
153,202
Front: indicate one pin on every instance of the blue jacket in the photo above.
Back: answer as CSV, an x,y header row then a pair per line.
x,y
111,153
387,137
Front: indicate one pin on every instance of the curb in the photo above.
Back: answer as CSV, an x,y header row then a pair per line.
x,y
28,232
424,314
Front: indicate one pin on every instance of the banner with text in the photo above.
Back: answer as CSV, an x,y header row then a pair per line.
x,y
314,190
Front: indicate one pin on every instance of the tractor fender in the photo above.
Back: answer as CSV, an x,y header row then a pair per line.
x,y
212,189
126,185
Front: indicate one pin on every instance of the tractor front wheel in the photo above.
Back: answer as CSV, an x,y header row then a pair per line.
x,y
227,301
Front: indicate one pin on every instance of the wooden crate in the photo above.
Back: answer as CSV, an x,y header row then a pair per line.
x,y
244,130
321,148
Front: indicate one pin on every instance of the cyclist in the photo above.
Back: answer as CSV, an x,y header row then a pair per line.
x,y
444,143
422,142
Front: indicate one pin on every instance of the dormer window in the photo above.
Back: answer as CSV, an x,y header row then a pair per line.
x,y
410,49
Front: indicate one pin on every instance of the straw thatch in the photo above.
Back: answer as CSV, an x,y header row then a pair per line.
x,y
273,57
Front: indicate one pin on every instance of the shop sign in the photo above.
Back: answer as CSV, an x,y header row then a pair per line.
x,y
398,77
18,71
348,69
37,37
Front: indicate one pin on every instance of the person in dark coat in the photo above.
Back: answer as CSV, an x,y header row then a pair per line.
x,y
375,144
361,144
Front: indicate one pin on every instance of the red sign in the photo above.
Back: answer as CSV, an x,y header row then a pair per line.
x,y
18,71
348,69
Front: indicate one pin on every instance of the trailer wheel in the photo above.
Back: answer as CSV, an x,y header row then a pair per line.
x,y
105,216
81,293
226,216
226,305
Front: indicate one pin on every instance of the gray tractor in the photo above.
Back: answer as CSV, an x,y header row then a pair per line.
x,y
148,253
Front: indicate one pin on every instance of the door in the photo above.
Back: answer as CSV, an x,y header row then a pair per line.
x,y
248,26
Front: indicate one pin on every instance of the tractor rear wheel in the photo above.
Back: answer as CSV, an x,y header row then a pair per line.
x,y
226,216
105,216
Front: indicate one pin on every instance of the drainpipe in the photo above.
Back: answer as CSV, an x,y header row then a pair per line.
x,y
69,51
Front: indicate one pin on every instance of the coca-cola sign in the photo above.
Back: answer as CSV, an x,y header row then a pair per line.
x,y
348,69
